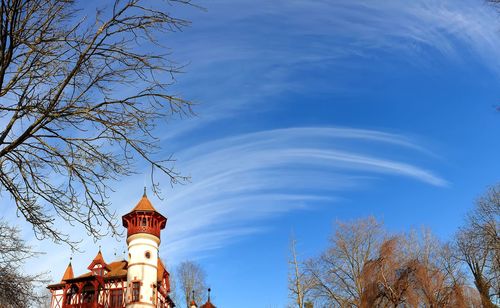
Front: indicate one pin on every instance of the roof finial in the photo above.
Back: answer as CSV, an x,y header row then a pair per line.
x,y
209,294
144,195
192,296
70,259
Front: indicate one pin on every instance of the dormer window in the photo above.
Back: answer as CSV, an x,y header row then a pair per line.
x,y
99,271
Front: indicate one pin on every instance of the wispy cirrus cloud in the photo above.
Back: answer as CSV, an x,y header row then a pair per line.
x,y
234,71
242,181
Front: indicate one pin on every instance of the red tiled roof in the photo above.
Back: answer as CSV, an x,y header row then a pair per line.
x,y
98,260
115,269
161,270
208,304
144,205
98,256
68,274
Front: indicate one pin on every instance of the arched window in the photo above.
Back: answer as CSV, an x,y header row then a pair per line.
x,y
144,222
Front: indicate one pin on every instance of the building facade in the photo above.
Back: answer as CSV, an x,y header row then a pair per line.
x,y
139,282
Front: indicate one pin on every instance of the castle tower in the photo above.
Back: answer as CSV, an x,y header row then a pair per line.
x,y
143,225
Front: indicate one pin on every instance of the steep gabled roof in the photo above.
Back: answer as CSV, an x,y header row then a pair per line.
x,y
98,260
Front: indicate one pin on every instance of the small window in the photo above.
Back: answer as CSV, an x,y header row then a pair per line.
x,y
69,296
148,254
116,298
144,222
136,290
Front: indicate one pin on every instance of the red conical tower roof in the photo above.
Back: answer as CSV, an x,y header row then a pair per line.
x,y
68,274
144,218
144,205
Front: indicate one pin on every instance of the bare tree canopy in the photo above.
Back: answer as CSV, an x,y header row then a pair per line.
x,y
17,289
80,96
191,277
364,267
336,273
417,277
478,246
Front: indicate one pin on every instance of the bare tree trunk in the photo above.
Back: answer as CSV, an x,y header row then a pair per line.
x,y
295,285
484,291
478,245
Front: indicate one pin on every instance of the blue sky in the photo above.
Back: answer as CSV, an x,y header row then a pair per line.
x,y
314,111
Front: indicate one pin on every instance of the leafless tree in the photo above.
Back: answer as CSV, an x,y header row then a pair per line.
x,y
386,279
45,298
413,271
299,283
191,277
364,267
17,289
336,274
81,91
437,278
478,245
174,290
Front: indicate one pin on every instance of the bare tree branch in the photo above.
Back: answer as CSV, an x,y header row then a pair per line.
x,y
191,281
17,289
80,98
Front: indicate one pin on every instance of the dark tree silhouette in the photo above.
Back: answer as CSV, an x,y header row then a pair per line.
x,y
80,95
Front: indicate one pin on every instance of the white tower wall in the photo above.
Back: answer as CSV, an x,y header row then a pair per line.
x,y
142,269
